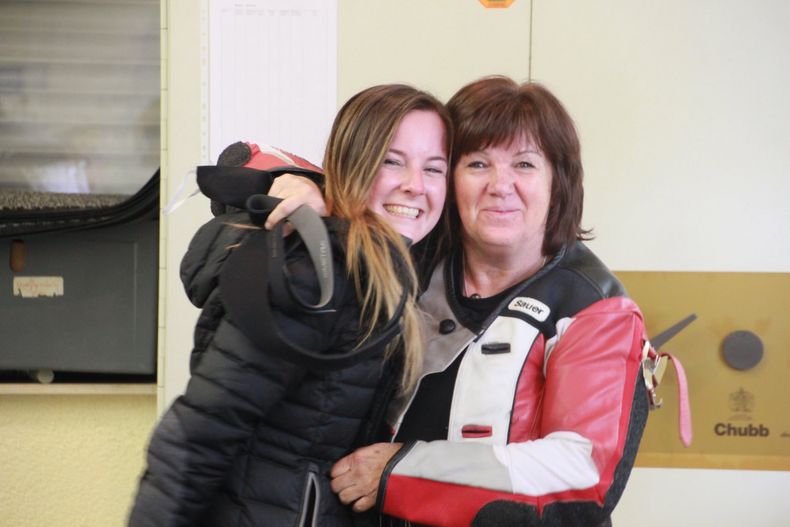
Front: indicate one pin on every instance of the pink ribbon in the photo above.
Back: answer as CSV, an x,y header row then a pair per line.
x,y
684,409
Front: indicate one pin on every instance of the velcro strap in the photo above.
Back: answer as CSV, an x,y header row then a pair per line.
x,y
233,185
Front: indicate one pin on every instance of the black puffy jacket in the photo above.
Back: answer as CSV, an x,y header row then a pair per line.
x,y
253,438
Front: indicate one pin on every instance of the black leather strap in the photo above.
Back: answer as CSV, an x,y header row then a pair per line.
x,y
309,225
253,280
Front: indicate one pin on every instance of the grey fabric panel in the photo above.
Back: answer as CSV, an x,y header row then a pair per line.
x,y
441,349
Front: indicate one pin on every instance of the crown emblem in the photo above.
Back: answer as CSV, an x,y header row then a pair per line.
x,y
741,401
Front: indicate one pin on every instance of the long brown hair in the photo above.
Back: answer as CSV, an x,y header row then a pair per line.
x,y
377,256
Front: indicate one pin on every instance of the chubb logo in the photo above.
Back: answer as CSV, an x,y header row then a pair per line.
x,y
750,430
534,308
741,401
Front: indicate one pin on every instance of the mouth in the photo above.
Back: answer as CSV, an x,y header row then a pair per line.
x,y
499,211
402,211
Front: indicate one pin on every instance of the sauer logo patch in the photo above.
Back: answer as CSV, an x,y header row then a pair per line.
x,y
534,308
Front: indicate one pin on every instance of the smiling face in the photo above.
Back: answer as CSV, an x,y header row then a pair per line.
x,y
503,195
411,183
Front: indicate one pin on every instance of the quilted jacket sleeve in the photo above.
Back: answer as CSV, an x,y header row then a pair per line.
x,y
195,443
233,385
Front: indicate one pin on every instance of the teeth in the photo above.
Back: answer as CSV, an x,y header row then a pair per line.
x,y
400,210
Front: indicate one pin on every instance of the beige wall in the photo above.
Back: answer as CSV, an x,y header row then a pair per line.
x,y
437,45
181,152
71,460
683,111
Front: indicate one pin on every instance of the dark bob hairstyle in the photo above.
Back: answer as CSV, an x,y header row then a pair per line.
x,y
495,111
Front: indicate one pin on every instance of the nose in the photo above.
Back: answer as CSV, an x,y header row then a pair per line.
x,y
413,182
501,181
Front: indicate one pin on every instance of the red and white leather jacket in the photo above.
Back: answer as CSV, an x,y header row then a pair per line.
x,y
548,404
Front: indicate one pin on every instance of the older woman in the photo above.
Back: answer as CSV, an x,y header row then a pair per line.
x,y
531,404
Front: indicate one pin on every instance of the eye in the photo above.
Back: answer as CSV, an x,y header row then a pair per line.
x,y
524,165
436,171
392,161
476,164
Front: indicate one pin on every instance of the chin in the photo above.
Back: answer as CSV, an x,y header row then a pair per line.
x,y
407,229
412,236
501,237
501,244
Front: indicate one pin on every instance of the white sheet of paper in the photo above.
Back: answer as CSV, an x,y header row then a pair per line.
x,y
272,74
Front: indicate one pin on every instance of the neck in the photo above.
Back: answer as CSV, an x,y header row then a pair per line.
x,y
484,276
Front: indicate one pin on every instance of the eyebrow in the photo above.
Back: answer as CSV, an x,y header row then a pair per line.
x,y
432,158
530,150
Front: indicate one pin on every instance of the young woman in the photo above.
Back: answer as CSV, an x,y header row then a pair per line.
x,y
252,440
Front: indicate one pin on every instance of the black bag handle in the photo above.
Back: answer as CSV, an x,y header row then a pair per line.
x,y
253,279
309,225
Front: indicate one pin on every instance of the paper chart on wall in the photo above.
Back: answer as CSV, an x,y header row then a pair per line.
x,y
271,74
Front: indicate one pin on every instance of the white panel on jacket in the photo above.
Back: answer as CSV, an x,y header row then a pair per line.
x,y
486,379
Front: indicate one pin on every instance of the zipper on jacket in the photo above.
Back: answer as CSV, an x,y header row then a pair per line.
x,y
308,516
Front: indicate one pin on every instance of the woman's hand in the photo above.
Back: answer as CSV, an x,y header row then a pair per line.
x,y
294,191
355,478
